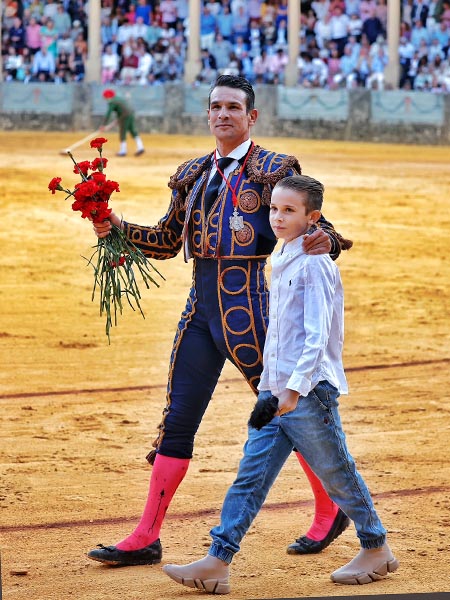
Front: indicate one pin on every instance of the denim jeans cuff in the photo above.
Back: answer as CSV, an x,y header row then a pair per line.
x,y
371,544
217,551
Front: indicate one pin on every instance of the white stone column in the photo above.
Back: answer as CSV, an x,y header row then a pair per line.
x,y
291,73
93,62
192,65
392,71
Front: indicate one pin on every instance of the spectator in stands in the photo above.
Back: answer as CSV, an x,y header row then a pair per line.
x,y
50,9
442,33
261,67
124,33
377,66
281,39
322,30
347,72
214,7
182,12
129,62
144,10
419,11
367,9
221,50
154,33
405,30
269,11
355,25
62,20
17,35
240,46
362,70
208,67
145,62
234,66
130,14
372,27
256,39
254,10
13,62
225,23
43,67
63,67
110,65
36,9
269,32
77,30
352,8
278,63
406,53
49,35
241,24
169,13
424,79
281,13
65,44
207,28
78,58
33,39
339,23
381,12
419,33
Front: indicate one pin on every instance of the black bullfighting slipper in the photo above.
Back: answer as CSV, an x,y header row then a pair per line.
x,y
110,555
305,545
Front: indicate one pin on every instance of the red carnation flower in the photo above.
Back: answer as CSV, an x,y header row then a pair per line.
x,y
98,142
99,164
55,185
82,167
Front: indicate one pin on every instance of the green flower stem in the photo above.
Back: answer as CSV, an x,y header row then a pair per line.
x,y
114,280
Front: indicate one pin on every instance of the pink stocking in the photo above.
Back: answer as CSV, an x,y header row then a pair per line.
x,y
325,508
167,474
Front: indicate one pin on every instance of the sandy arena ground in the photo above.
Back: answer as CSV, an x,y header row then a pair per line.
x,y
78,415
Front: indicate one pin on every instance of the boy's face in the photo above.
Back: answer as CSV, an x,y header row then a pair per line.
x,y
288,217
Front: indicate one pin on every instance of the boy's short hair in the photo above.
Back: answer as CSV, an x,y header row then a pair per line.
x,y
302,183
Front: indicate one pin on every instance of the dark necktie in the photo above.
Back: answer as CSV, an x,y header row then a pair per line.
x,y
214,185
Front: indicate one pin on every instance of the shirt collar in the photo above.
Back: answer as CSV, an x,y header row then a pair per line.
x,y
238,152
295,246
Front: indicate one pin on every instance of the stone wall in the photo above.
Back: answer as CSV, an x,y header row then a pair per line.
x,y
357,115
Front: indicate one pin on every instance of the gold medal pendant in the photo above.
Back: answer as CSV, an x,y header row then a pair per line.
x,y
236,221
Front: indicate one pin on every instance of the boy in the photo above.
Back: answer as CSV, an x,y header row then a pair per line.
x,y
303,371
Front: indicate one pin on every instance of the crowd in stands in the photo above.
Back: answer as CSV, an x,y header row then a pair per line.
x,y
342,42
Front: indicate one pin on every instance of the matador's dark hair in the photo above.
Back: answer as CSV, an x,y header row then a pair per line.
x,y
237,82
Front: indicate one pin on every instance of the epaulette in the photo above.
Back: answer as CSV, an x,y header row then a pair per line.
x,y
189,172
267,167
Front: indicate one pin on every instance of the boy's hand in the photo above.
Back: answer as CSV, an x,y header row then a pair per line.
x,y
289,403
317,242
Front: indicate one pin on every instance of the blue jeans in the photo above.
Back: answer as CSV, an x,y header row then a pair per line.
x,y
315,429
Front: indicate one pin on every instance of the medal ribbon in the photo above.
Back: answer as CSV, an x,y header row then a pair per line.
x,y
234,198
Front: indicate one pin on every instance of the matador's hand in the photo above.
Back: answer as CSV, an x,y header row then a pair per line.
x,y
103,229
317,242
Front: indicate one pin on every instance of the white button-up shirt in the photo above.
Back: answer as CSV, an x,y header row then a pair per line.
x,y
306,323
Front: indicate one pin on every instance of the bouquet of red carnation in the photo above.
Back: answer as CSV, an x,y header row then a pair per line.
x,y
114,256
